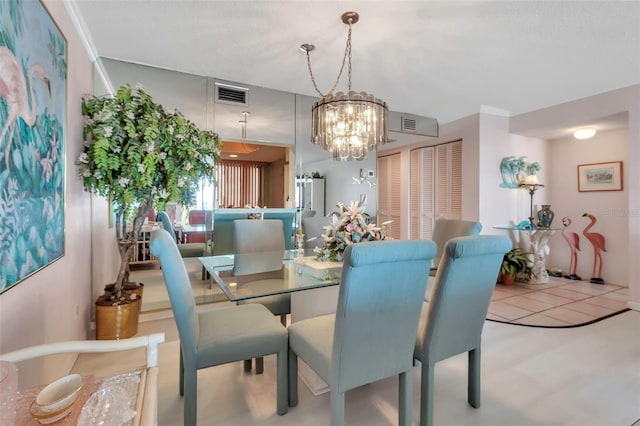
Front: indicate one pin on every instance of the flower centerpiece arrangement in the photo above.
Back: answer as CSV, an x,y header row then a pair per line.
x,y
347,228
139,156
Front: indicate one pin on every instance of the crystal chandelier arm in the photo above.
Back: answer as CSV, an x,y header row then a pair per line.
x,y
347,53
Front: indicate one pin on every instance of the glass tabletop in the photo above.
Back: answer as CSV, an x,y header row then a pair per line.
x,y
247,276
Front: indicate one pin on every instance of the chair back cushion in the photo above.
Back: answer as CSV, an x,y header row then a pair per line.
x,y
166,222
379,304
176,278
446,229
223,231
462,291
252,236
312,227
287,219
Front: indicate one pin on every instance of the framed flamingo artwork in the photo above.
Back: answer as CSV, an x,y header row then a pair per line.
x,y
600,176
33,81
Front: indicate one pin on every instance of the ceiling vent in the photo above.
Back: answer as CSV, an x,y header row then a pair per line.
x,y
414,124
232,95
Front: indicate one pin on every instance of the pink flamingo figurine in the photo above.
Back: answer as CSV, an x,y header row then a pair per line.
x,y
574,243
598,245
20,101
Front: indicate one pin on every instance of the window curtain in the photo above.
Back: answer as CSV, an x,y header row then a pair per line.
x,y
239,183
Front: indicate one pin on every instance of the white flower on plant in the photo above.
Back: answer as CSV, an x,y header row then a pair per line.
x,y
180,137
180,182
164,193
130,115
84,158
88,121
97,174
117,149
151,147
188,166
170,129
123,181
155,115
86,173
108,131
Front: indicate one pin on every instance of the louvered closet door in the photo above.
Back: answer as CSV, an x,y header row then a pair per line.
x,y
389,178
422,193
449,180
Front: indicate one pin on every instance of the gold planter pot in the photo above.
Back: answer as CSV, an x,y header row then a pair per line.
x,y
117,322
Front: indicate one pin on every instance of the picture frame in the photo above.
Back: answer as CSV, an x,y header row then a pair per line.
x,y
32,140
600,176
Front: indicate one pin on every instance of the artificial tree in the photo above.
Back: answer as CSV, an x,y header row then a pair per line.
x,y
139,156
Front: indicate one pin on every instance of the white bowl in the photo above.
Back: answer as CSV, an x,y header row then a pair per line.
x,y
51,416
59,395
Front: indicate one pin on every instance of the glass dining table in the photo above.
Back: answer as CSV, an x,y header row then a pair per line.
x,y
313,286
251,275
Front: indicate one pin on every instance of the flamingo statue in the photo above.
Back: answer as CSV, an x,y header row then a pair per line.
x,y
574,244
13,88
598,245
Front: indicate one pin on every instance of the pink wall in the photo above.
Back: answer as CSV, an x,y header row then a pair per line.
x,y
55,303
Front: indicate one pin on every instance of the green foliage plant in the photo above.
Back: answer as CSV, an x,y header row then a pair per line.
x,y
516,263
139,156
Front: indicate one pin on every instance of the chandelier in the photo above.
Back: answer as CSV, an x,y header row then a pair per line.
x,y
351,124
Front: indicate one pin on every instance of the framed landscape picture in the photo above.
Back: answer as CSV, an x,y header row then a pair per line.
x,y
33,88
600,176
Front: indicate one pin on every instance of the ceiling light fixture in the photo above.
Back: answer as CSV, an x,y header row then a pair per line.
x,y
351,124
586,133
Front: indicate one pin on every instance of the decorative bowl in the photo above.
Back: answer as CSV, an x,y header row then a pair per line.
x,y
47,417
57,397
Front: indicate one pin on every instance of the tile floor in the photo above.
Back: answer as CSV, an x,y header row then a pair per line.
x,y
584,376
560,303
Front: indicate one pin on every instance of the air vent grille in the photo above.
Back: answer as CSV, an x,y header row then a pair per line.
x,y
233,95
408,124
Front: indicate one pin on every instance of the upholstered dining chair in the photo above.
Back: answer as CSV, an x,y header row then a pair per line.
x,y
443,231
252,236
312,227
451,322
186,249
217,336
370,335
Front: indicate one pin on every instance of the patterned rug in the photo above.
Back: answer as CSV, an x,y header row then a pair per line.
x,y
557,304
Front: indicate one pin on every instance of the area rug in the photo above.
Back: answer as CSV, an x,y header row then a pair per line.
x,y
560,303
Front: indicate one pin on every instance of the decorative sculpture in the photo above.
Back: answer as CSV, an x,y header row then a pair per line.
x,y
574,244
597,240
514,170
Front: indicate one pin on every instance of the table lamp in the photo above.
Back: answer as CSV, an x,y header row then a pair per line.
x,y
531,184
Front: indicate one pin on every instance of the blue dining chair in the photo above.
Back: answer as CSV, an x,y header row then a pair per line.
x,y
372,334
253,236
185,249
216,336
443,231
451,322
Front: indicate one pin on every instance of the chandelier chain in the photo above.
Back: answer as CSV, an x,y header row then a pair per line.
x,y
347,53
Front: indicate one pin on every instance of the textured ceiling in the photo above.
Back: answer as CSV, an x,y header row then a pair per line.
x,y
441,59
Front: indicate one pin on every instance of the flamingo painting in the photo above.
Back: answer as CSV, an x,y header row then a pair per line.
x,y
597,240
573,240
20,100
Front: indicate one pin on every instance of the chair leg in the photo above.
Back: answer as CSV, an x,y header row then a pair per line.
x,y
181,374
191,397
259,365
282,390
293,378
473,386
426,394
247,365
405,398
337,408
